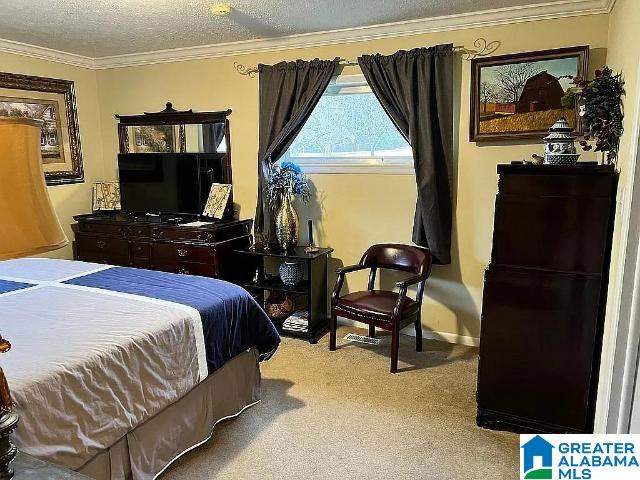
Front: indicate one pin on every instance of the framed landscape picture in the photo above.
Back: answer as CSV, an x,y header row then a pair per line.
x,y
522,95
153,138
53,102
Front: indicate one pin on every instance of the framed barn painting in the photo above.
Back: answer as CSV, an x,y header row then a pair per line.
x,y
522,95
53,102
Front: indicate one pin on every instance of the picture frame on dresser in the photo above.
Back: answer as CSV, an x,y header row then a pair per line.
x,y
53,102
520,95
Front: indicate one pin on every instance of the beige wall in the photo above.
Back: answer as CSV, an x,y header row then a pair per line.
x,y
354,211
617,357
70,200
623,55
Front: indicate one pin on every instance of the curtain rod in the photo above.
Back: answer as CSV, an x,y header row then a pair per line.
x,y
482,49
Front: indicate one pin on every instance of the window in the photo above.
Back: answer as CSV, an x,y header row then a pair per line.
x,y
349,132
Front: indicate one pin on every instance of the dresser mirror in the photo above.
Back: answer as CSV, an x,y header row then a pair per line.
x,y
169,160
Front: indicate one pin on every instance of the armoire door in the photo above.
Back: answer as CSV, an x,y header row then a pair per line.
x,y
537,345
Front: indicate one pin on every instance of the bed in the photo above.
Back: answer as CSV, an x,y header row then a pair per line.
x,y
118,371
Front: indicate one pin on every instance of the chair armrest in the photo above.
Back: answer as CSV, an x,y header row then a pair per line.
x,y
350,268
340,281
402,293
411,281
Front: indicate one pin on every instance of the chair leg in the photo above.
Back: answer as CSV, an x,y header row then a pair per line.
x,y
333,326
372,331
418,326
395,346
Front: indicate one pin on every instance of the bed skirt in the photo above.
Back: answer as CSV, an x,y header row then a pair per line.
x,y
146,451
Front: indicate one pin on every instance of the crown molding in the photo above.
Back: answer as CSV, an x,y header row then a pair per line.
x,y
500,16
43,53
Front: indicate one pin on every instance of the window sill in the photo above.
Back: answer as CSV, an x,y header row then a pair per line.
x,y
353,166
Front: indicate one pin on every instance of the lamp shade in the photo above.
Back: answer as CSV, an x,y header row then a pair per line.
x,y
28,223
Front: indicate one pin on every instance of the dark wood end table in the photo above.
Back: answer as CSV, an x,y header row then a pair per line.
x,y
312,292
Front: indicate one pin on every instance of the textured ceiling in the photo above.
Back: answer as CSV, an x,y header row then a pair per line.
x,y
98,28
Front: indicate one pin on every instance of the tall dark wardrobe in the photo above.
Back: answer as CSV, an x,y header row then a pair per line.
x,y
544,298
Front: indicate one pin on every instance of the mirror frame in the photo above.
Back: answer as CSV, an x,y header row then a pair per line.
x,y
170,116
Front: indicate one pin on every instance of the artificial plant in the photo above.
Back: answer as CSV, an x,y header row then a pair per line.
x,y
601,109
286,179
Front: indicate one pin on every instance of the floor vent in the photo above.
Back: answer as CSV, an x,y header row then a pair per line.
x,y
352,337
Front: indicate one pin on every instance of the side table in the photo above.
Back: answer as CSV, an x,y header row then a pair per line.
x,y
311,294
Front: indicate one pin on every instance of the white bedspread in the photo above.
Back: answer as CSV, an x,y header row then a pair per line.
x,y
89,365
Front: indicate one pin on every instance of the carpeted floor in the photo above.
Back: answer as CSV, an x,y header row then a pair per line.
x,y
342,415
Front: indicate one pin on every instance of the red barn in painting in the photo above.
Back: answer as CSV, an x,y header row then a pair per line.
x,y
505,108
541,92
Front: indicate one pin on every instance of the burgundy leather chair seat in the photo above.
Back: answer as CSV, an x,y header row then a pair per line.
x,y
378,303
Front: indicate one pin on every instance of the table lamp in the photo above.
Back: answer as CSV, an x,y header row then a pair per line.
x,y
28,226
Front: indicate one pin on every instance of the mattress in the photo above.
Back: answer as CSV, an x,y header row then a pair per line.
x,y
97,350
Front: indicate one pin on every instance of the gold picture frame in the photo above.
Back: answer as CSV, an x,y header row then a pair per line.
x,y
53,102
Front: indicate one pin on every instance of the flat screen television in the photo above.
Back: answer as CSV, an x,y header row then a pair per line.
x,y
167,183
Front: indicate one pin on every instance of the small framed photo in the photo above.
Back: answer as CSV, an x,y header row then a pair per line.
x,y
521,95
106,196
217,201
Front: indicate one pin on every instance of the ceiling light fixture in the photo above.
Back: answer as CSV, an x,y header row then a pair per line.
x,y
220,9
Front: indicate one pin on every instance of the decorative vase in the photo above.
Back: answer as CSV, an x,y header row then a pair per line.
x,y
291,273
559,146
287,223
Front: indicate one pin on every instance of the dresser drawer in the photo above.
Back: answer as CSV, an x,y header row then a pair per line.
x,y
554,233
187,268
171,252
102,228
141,250
102,250
557,185
138,231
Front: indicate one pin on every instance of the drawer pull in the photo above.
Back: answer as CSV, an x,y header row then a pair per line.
x,y
101,244
183,271
183,252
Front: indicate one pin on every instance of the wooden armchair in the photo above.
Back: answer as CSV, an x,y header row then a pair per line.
x,y
390,311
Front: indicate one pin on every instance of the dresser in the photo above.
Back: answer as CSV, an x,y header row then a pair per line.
x,y
119,239
544,298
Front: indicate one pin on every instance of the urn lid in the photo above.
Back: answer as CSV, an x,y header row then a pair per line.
x,y
560,131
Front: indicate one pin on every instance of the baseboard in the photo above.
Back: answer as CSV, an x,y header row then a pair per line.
x,y
447,337
451,338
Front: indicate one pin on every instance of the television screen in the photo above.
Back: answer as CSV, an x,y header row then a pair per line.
x,y
160,183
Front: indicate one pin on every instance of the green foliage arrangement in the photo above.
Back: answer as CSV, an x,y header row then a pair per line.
x,y
601,109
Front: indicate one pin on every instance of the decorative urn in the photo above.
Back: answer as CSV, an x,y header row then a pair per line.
x,y
559,145
291,273
287,223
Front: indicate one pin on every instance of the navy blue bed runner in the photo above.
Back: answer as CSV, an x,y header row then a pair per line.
x,y
7,286
232,320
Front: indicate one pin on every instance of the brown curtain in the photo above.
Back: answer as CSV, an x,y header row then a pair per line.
x,y
415,88
289,91
212,135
